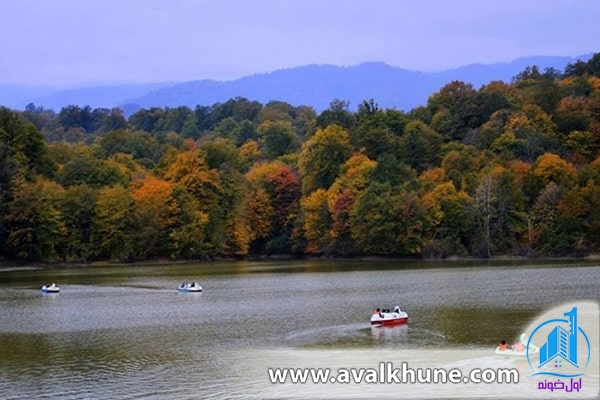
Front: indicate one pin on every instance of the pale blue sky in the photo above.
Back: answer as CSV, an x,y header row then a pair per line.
x,y
64,43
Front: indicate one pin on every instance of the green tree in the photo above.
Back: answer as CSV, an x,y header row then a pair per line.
x,y
78,208
23,156
462,165
579,68
390,169
388,221
498,215
235,233
244,132
141,145
188,237
22,148
377,141
582,147
539,88
277,138
551,235
338,114
173,119
147,120
421,146
321,157
494,97
39,116
91,171
33,220
76,117
460,101
493,128
221,152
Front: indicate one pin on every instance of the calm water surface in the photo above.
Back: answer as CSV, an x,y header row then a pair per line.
x,y
126,332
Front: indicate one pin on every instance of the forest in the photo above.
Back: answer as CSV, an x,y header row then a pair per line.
x,y
505,169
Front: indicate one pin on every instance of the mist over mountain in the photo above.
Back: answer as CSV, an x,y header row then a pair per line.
x,y
96,97
15,96
312,85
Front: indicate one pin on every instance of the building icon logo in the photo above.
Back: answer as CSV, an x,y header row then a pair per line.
x,y
565,350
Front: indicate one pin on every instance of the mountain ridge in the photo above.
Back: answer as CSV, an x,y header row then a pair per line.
x,y
313,85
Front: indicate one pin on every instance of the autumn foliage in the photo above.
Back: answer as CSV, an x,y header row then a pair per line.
x,y
506,169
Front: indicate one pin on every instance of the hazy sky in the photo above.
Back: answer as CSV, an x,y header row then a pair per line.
x,y
60,43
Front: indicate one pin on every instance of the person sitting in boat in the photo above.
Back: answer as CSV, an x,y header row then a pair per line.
x,y
519,346
503,345
397,309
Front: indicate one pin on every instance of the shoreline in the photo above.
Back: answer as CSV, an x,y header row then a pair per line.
x,y
10,265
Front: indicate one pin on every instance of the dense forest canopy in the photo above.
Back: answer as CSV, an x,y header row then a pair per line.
x,y
503,169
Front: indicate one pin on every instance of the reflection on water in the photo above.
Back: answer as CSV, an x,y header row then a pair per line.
x,y
127,331
389,333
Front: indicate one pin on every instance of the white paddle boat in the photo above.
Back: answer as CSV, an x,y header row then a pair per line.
x,y
52,288
190,287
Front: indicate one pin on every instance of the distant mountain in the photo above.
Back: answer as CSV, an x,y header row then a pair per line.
x,y
95,97
317,85
312,85
15,96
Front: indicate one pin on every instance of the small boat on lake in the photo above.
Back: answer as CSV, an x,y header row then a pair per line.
x,y
52,288
519,349
384,317
190,287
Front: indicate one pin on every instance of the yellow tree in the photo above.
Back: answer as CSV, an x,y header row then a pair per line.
x,y
447,212
114,224
553,232
317,221
551,168
155,212
354,179
190,170
259,213
527,134
202,195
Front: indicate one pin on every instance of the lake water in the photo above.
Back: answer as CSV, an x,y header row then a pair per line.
x,y
126,332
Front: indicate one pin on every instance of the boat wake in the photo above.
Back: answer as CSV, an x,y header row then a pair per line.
x,y
327,335
362,335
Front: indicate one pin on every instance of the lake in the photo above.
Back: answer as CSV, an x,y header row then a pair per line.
x,y
126,332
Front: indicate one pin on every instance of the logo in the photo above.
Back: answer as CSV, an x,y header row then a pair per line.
x,y
559,347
